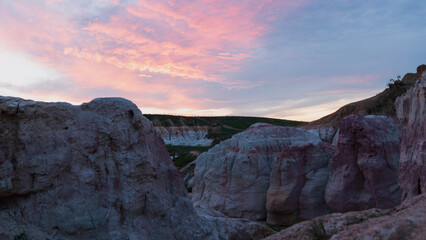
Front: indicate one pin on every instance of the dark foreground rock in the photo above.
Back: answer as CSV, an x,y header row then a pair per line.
x,y
364,171
406,221
95,171
234,176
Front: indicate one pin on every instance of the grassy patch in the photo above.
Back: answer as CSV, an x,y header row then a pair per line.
x,y
318,231
275,228
21,236
184,159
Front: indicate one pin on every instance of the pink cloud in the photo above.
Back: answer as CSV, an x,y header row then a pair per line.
x,y
148,47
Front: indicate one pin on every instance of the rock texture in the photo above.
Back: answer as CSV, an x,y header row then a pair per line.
x,y
364,169
185,135
411,112
234,176
95,171
297,184
406,221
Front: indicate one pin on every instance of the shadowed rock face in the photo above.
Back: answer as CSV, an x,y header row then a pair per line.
x,y
297,184
407,221
95,171
364,169
411,112
234,176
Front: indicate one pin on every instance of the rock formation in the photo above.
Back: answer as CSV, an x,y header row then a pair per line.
x,y
382,104
297,185
185,135
95,171
234,176
411,112
406,221
364,169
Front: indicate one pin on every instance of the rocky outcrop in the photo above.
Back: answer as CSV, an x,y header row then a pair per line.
x,y
406,221
95,171
297,184
411,112
382,104
364,169
234,176
185,135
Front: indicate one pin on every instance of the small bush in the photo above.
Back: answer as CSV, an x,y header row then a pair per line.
x,y
318,231
21,236
188,188
274,227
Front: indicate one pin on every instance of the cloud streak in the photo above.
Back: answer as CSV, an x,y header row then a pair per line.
x,y
205,56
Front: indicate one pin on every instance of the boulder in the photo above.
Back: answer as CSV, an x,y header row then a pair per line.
x,y
234,176
364,169
406,221
297,184
95,171
411,112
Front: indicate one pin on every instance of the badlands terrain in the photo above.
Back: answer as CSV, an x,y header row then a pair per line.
x,y
102,170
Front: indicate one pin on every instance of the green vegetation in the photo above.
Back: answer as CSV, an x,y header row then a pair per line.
x,y
184,159
21,236
188,188
275,228
219,129
318,231
233,121
185,154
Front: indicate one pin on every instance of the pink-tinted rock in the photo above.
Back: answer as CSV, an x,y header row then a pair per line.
x,y
411,112
297,185
364,169
406,221
233,177
95,171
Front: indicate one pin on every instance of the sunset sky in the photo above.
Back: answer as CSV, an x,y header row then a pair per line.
x,y
276,58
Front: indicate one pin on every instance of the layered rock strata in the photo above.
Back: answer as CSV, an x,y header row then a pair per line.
x,y
185,135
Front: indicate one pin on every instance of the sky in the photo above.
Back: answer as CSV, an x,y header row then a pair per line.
x,y
290,59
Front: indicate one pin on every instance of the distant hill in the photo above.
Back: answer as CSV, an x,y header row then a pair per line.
x,y
181,132
220,128
381,104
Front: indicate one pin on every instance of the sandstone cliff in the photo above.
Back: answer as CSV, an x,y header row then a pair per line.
x,y
95,171
364,171
185,135
234,176
406,221
411,111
